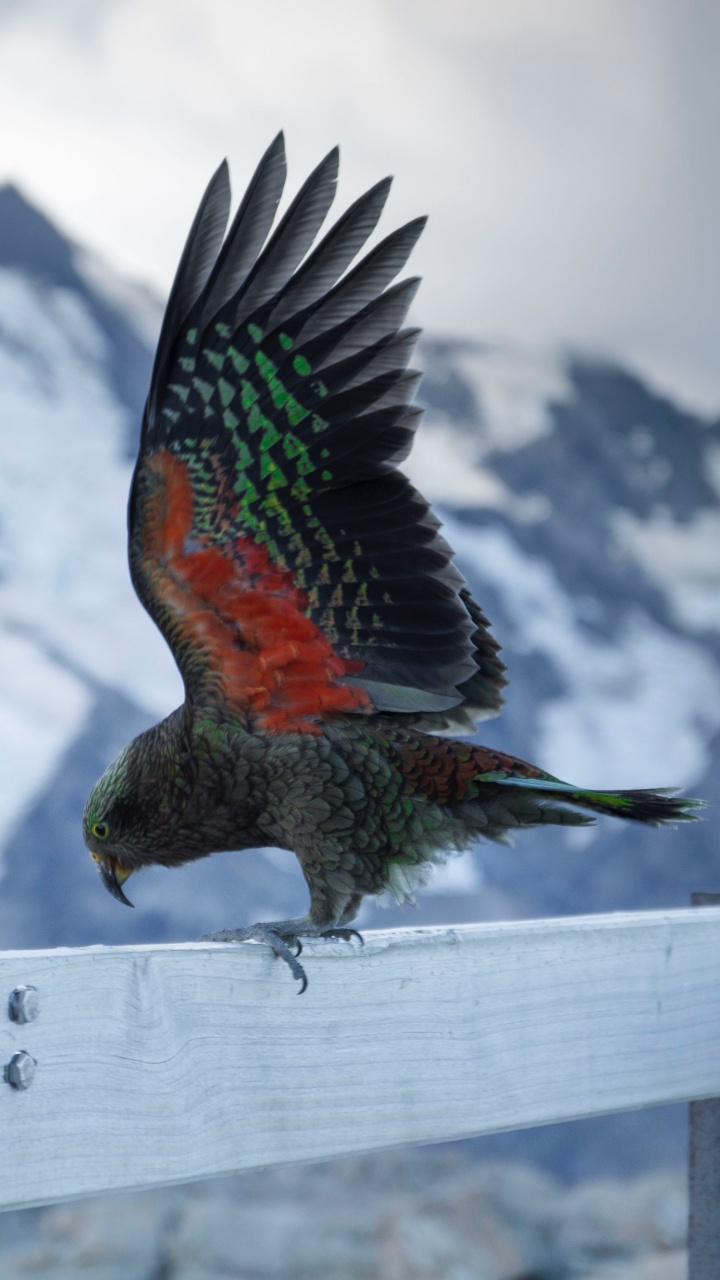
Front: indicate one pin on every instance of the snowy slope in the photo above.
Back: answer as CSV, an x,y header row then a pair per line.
x,y
69,619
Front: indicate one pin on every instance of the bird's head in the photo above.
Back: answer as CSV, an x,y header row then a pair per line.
x,y
105,828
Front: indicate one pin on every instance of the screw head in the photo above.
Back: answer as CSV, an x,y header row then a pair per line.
x,y
24,1005
20,1070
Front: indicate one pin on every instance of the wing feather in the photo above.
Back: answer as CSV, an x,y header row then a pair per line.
x,y
294,571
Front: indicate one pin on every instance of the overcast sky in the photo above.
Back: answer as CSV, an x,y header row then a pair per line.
x,y
566,150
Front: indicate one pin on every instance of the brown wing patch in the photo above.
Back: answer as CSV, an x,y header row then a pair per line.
x,y
238,621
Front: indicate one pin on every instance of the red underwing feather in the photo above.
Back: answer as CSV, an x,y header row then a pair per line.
x,y
239,617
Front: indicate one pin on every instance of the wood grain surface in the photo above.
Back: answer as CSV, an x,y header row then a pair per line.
x,y
158,1064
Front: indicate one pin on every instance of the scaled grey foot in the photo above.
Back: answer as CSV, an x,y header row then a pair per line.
x,y
278,934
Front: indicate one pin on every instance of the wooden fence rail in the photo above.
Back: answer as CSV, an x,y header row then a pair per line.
x,y
159,1064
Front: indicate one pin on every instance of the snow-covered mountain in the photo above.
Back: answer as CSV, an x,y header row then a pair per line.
x,y
585,510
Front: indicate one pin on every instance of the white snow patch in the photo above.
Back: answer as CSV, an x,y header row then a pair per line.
x,y
515,388
446,465
683,559
43,708
63,561
638,712
137,302
63,497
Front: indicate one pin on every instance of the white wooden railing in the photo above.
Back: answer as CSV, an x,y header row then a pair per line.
x,y
129,1067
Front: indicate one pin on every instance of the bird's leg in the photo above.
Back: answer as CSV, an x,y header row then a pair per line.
x,y
281,934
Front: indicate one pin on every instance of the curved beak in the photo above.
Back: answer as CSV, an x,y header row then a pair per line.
x,y
113,877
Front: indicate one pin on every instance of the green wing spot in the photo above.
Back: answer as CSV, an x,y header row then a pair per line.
x,y
223,330
244,456
268,371
274,507
285,341
247,489
204,389
327,622
280,395
239,362
271,436
352,622
291,445
257,420
323,537
302,366
192,336
231,420
266,366
182,392
172,414
214,358
349,572
326,475
295,411
300,491
269,467
256,333
187,363
277,481
319,388
227,392
294,448
318,424
324,453
248,394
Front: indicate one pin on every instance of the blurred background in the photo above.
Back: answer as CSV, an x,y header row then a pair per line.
x,y
566,155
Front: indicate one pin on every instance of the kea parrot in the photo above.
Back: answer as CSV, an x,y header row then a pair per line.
x,y
327,642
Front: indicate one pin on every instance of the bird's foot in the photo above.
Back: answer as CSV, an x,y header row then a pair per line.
x,y
345,934
281,935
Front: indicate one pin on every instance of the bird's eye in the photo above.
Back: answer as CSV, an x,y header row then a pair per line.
x,y
100,830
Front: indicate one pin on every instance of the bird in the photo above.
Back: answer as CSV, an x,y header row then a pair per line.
x,y
334,660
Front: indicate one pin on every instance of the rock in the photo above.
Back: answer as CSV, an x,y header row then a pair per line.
x,y
426,1213
656,1266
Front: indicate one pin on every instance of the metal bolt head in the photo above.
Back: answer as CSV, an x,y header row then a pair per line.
x,y
20,1070
24,1005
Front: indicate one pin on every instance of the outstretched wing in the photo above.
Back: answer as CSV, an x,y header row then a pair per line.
x,y
293,570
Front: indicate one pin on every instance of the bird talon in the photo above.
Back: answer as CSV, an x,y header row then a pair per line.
x,y
345,934
257,933
284,952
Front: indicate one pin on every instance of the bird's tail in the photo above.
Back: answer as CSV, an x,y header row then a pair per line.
x,y
653,807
